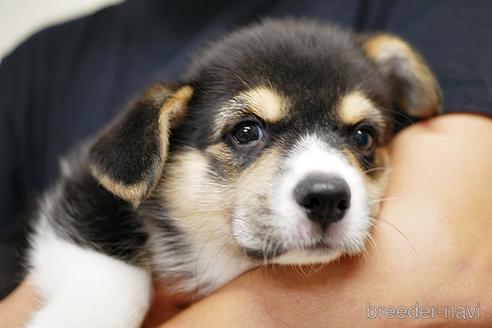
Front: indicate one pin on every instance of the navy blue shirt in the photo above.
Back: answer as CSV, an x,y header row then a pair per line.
x,y
65,82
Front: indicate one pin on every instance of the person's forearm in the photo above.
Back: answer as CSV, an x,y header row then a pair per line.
x,y
432,245
16,309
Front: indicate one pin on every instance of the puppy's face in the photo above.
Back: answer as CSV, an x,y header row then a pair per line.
x,y
288,177
282,151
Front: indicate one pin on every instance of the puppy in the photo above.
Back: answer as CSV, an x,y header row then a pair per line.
x,y
271,150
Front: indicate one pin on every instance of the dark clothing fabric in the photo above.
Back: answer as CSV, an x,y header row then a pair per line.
x,y
66,82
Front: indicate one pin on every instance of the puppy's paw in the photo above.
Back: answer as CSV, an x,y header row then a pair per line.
x,y
62,313
82,288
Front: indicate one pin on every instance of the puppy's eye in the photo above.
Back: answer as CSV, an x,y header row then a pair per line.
x,y
247,132
365,138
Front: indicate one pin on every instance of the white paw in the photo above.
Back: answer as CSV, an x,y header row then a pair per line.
x,y
81,288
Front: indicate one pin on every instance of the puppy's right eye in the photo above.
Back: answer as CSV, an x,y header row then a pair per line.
x,y
247,132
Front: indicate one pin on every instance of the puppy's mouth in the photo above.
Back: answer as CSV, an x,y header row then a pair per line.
x,y
273,251
310,243
319,247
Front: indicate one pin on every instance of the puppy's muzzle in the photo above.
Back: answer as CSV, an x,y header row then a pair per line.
x,y
324,198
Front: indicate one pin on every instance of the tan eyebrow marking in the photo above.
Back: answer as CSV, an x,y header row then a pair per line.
x,y
354,107
265,103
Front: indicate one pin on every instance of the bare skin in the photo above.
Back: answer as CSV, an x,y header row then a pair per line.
x,y
431,245
17,308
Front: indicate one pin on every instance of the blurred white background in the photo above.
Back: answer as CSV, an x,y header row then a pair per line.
x,y
20,18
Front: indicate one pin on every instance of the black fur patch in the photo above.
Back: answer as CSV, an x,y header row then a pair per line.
x,y
131,147
89,215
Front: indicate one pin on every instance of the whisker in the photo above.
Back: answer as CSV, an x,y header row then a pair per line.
x,y
371,240
365,255
302,270
380,200
296,269
379,168
380,220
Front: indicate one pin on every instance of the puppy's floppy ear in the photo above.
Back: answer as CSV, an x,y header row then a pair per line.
x,y
128,157
415,90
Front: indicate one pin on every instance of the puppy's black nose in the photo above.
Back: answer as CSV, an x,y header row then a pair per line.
x,y
325,198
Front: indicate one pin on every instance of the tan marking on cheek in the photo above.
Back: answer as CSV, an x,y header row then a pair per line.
x,y
254,185
265,103
201,206
375,178
352,158
354,107
381,157
262,168
221,152
376,181
228,163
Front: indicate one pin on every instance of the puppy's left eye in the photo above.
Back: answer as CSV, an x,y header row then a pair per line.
x,y
247,132
365,138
